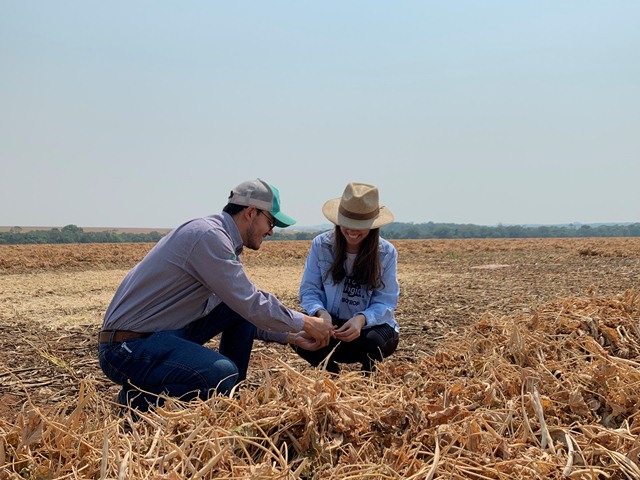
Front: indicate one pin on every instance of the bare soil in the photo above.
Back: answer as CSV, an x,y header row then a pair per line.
x,y
52,298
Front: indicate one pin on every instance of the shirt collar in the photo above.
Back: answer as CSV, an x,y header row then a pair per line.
x,y
232,228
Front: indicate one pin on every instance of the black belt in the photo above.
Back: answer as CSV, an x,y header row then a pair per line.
x,y
107,336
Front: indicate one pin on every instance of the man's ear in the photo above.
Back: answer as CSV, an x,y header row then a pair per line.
x,y
249,212
243,217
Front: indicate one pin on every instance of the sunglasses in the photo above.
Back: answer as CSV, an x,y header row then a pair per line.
x,y
272,222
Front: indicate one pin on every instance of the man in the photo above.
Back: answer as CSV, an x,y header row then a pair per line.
x,y
190,287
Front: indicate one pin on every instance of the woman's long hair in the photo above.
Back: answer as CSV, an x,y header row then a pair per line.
x,y
366,268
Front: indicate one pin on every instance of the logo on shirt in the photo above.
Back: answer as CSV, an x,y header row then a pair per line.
x,y
351,289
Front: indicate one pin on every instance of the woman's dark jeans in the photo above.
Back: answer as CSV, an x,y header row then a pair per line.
x,y
176,363
373,344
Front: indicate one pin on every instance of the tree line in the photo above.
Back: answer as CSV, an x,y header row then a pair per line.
x,y
396,230
433,230
74,234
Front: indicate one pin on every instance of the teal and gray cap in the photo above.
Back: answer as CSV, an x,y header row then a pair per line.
x,y
261,195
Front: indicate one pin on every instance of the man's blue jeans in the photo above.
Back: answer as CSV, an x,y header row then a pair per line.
x,y
175,363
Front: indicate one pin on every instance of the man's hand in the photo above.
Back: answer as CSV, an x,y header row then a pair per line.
x,y
303,340
320,329
351,329
323,314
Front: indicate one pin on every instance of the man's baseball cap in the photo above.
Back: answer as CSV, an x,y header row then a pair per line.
x,y
260,194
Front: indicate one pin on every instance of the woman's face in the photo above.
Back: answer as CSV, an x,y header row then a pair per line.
x,y
354,238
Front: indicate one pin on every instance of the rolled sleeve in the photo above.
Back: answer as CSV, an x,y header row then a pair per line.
x,y
384,300
312,294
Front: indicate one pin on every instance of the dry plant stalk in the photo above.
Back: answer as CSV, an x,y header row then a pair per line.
x,y
553,394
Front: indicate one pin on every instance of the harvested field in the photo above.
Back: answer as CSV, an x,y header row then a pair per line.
x,y
518,359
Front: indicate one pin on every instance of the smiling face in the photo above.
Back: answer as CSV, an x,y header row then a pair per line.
x,y
261,226
354,238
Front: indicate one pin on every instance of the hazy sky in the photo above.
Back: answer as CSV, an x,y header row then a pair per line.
x,y
146,114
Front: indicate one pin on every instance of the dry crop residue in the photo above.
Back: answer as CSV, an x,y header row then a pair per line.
x,y
524,371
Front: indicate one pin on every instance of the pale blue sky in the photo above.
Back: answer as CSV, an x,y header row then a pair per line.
x,y
145,114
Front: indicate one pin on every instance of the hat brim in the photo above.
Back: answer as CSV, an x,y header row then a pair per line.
x,y
281,220
331,212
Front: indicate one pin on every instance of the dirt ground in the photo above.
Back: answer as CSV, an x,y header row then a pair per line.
x,y
52,297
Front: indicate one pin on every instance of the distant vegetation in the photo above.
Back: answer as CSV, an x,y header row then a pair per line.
x,y
74,234
454,230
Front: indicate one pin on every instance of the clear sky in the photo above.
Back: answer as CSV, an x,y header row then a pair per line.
x,y
146,114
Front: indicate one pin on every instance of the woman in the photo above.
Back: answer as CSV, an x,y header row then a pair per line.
x,y
350,278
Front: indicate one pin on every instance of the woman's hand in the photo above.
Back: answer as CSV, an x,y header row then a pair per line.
x,y
351,329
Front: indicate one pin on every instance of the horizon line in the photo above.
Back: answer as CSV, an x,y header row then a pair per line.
x,y
7,228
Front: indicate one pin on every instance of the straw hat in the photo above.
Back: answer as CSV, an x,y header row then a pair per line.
x,y
359,208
